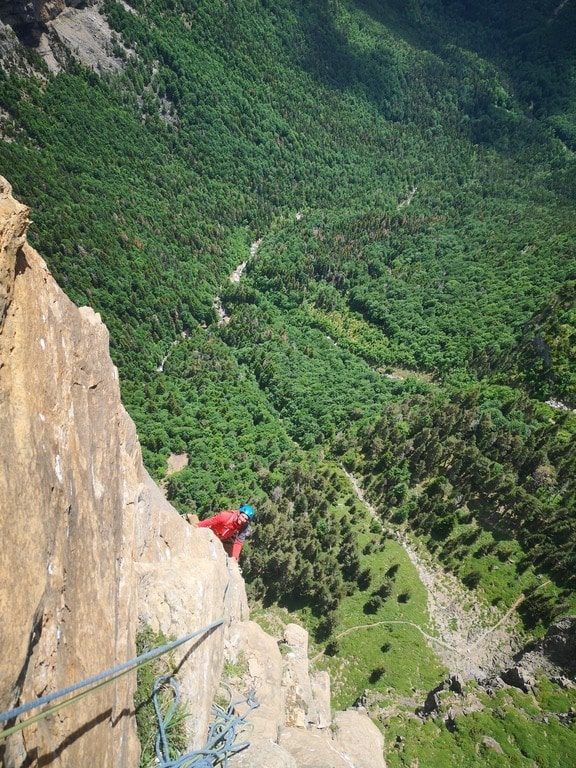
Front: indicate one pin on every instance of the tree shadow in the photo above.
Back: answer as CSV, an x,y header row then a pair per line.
x,y
333,61
381,74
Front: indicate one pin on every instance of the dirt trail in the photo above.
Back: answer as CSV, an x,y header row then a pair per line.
x,y
473,639
431,639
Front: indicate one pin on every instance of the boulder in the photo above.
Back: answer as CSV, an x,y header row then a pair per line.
x,y
263,754
352,742
518,678
490,743
313,749
300,705
357,737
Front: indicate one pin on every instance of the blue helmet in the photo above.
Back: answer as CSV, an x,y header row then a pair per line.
x,y
248,510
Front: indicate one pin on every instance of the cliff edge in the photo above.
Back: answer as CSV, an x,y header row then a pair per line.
x,y
89,545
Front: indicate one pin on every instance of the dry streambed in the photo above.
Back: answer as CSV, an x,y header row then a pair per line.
x,y
472,639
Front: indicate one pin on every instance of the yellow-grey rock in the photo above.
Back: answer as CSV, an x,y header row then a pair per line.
x,y
357,737
69,480
257,655
300,705
321,693
89,544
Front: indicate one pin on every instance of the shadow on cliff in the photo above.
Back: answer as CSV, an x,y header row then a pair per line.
x,y
194,647
34,758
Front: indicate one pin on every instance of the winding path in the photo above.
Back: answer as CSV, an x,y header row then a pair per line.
x,y
349,631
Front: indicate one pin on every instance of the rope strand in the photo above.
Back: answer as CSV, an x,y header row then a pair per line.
x,y
220,744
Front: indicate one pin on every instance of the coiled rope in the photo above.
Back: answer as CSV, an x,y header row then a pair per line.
x,y
92,683
220,744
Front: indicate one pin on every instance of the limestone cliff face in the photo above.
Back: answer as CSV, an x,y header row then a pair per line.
x,y
88,543
68,484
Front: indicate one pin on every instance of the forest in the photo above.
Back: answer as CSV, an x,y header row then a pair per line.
x,y
409,316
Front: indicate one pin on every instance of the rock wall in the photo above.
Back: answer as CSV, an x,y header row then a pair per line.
x,y
68,483
186,581
89,545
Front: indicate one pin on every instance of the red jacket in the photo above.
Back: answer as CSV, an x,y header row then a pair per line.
x,y
229,528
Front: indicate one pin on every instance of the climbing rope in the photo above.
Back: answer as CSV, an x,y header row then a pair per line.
x,y
221,742
95,681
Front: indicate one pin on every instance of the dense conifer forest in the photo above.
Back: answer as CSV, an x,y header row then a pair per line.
x,y
409,316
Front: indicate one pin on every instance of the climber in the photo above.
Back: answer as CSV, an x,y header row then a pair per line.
x,y
232,526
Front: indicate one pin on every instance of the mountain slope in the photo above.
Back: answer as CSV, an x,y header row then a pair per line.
x,y
410,168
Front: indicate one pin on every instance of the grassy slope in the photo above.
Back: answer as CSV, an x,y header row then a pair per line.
x,y
513,719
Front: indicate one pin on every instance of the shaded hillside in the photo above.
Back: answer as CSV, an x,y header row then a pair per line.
x,y
547,355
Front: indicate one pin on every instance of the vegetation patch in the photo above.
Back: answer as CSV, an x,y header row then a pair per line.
x,y
381,650
146,720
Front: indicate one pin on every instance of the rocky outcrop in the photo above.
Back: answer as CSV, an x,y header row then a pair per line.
x,y
518,678
352,742
293,727
300,704
9,54
61,30
555,654
28,19
83,34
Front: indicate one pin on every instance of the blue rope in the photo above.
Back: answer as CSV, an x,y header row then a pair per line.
x,y
112,672
220,744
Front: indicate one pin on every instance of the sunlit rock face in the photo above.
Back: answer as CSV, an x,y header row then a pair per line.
x,y
69,482
90,547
